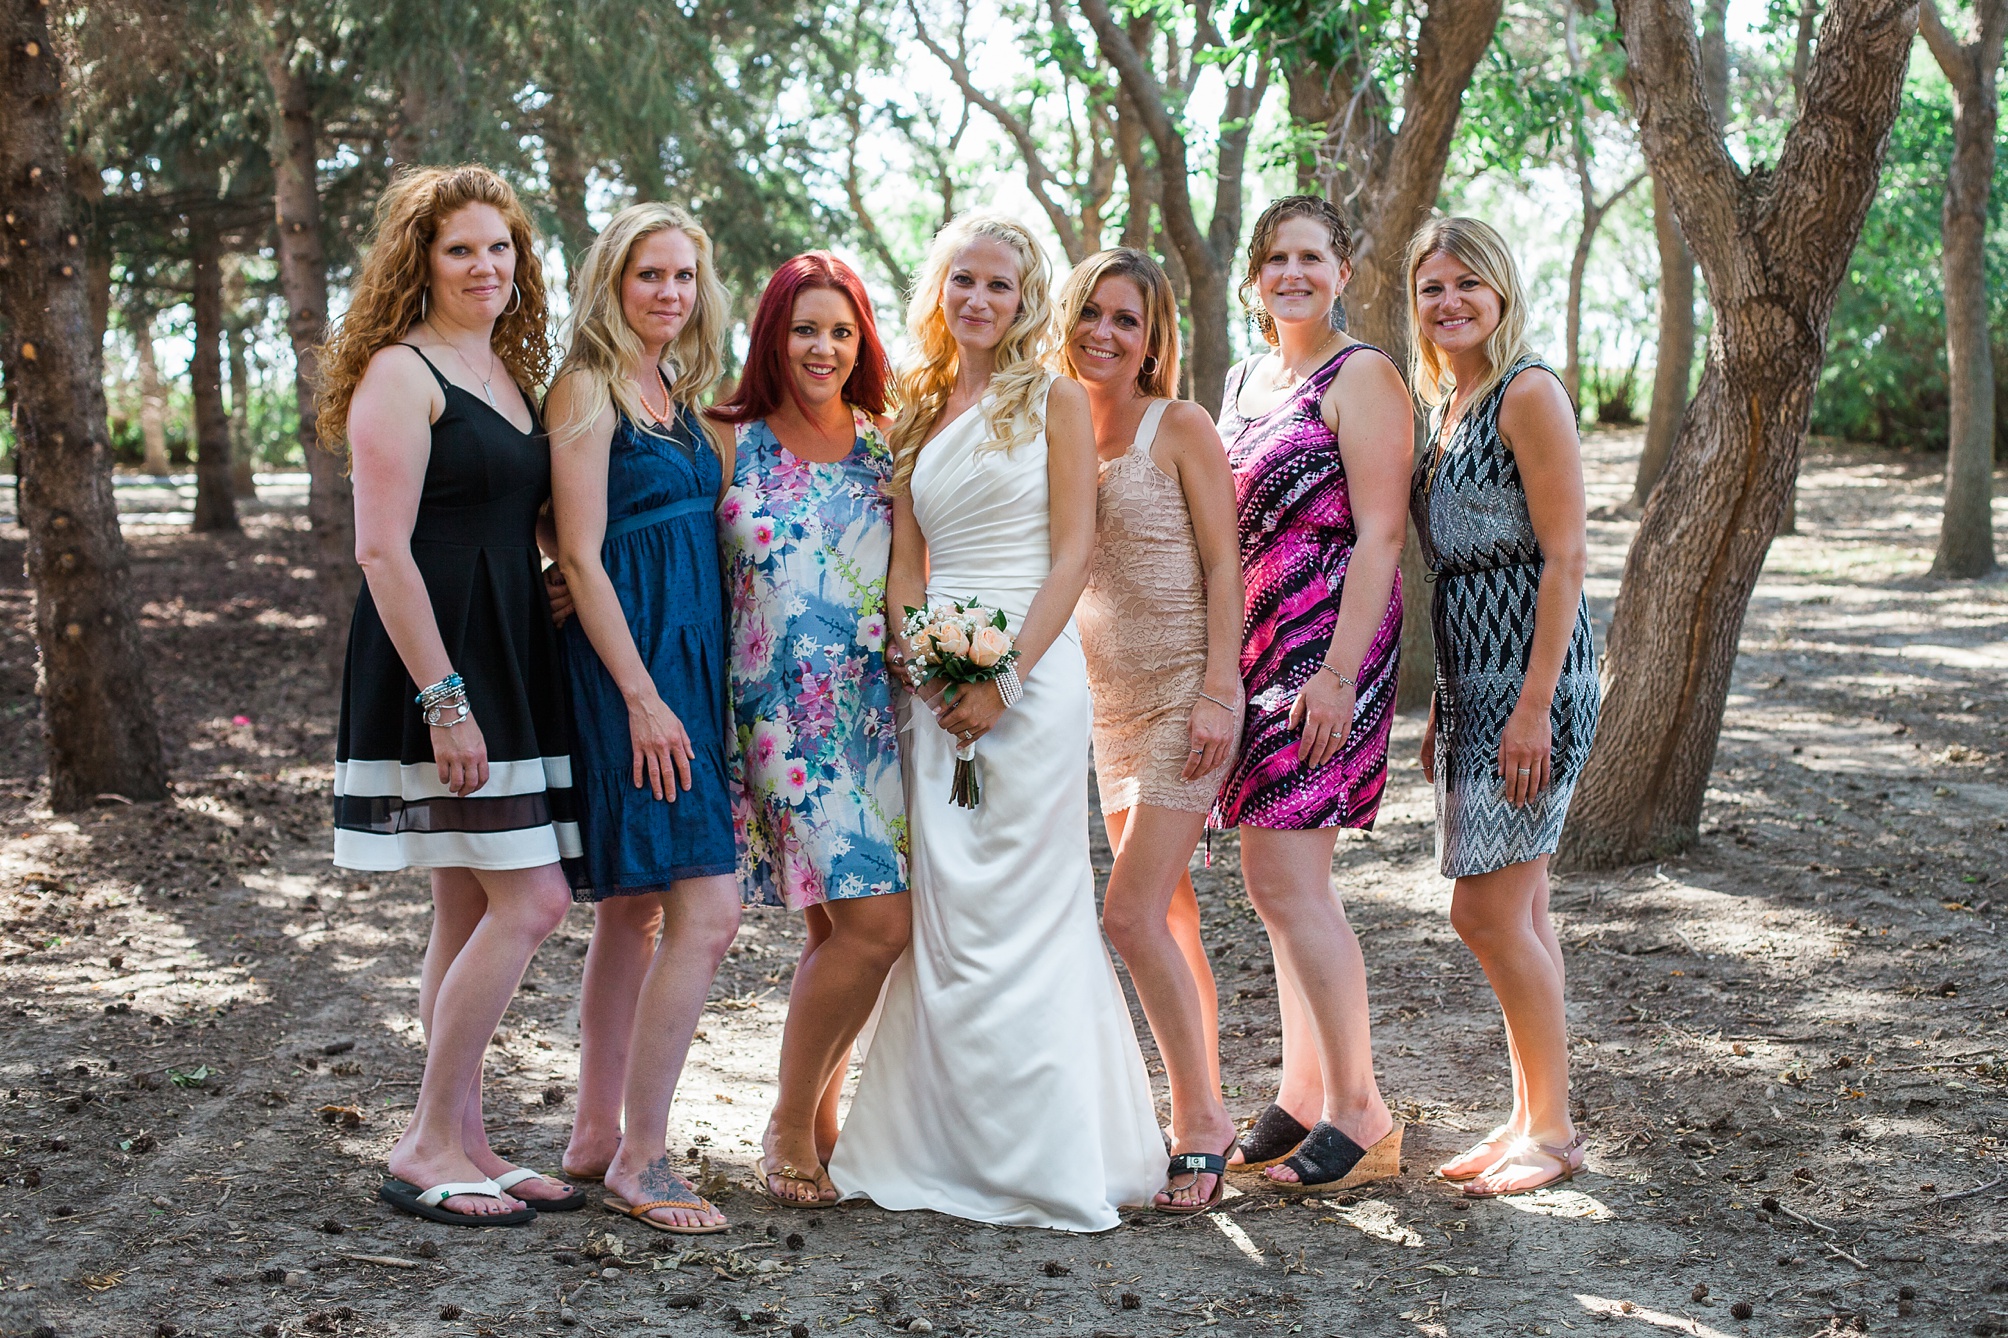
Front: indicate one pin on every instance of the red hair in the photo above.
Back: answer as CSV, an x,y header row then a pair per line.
x,y
766,378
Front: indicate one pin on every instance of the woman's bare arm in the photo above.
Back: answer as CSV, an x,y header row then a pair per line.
x,y
1539,425
1191,445
579,500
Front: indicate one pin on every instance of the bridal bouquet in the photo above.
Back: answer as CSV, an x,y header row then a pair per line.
x,y
963,642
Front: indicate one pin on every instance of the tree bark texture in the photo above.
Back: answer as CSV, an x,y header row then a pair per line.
x,y
303,276
1773,247
1207,254
152,397
1402,178
215,497
237,321
97,707
1673,354
567,169
1966,530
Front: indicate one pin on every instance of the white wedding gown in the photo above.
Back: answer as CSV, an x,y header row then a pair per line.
x,y
1003,1082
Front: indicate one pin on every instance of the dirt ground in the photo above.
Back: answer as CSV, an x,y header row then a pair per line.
x,y
1790,1048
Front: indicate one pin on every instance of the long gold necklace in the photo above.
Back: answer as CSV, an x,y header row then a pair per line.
x,y
1317,359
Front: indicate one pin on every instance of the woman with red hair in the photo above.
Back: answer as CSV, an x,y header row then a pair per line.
x,y
817,805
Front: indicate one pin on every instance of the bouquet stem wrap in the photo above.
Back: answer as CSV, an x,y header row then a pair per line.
x,y
964,791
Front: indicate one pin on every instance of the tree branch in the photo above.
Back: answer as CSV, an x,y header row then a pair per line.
x,y
1953,57
1036,172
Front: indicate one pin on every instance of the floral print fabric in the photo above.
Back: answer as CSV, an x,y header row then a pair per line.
x,y
816,800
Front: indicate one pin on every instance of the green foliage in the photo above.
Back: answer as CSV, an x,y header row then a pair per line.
x,y
1885,377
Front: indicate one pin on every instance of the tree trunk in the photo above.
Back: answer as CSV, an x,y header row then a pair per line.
x,y
1397,198
1774,248
243,480
152,397
215,498
1673,355
303,276
97,708
567,169
1966,531
1206,255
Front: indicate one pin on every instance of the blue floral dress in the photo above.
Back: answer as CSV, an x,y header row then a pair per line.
x,y
814,760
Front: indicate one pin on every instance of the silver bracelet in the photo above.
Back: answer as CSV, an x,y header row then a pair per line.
x,y
1326,667
1009,687
1217,702
436,715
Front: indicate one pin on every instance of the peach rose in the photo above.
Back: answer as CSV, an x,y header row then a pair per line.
x,y
989,645
949,638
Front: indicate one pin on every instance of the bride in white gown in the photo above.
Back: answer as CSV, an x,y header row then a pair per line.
x,y
1003,1083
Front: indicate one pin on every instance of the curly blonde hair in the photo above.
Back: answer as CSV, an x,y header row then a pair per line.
x,y
604,349
1160,302
1016,400
1479,246
388,298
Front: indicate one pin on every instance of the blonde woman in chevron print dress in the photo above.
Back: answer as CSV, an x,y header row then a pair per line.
x,y
1497,499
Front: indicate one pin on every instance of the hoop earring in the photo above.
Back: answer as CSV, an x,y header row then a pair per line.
x,y
421,302
510,311
1150,364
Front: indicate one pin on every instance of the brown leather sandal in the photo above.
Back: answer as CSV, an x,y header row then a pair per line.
x,y
1568,1159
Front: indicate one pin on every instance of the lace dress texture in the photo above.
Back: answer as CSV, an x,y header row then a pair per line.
x,y
1143,628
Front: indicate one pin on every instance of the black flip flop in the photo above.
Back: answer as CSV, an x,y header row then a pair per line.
x,y
411,1199
1194,1164
1274,1136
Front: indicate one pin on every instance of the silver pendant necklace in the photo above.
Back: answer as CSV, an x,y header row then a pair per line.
x,y
487,386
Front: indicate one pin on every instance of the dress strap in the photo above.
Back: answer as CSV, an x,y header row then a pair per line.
x,y
1146,431
444,384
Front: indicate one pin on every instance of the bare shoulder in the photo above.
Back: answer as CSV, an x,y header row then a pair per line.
x,y
1536,405
1066,394
1371,371
1187,426
398,367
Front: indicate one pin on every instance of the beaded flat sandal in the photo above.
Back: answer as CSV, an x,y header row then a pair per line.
x,y
784,1171
1331,1161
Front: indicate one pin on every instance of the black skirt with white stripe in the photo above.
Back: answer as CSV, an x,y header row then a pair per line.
x,y
475,546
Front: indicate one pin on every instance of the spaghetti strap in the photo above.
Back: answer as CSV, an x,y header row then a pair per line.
x,y
1146,431
444,384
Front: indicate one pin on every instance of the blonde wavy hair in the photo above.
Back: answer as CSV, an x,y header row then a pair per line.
x,y
388,297
603,348
1158,380
1016,400
1479,247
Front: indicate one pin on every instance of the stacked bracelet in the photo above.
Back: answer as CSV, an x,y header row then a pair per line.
x,y
444,704
450,686
1010,687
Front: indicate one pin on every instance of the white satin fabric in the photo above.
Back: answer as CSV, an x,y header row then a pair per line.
x,y
1003,1082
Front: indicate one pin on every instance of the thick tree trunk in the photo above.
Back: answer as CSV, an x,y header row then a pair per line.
x,y
303,276
152,396
1966,531
215,498
97,708
1774,248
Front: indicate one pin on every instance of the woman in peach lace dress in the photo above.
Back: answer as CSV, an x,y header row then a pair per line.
x,y
1161,626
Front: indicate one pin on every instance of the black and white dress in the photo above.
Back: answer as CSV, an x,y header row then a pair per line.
x,y
1470,511
475,543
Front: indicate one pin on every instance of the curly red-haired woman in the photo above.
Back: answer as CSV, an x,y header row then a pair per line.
x,y
817,805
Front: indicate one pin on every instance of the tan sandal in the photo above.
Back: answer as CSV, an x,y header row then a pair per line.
x,y
1568,1158
1500,1134
639,1212
787,1172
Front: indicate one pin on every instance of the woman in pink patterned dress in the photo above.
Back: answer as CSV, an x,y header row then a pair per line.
x,y
1318,433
